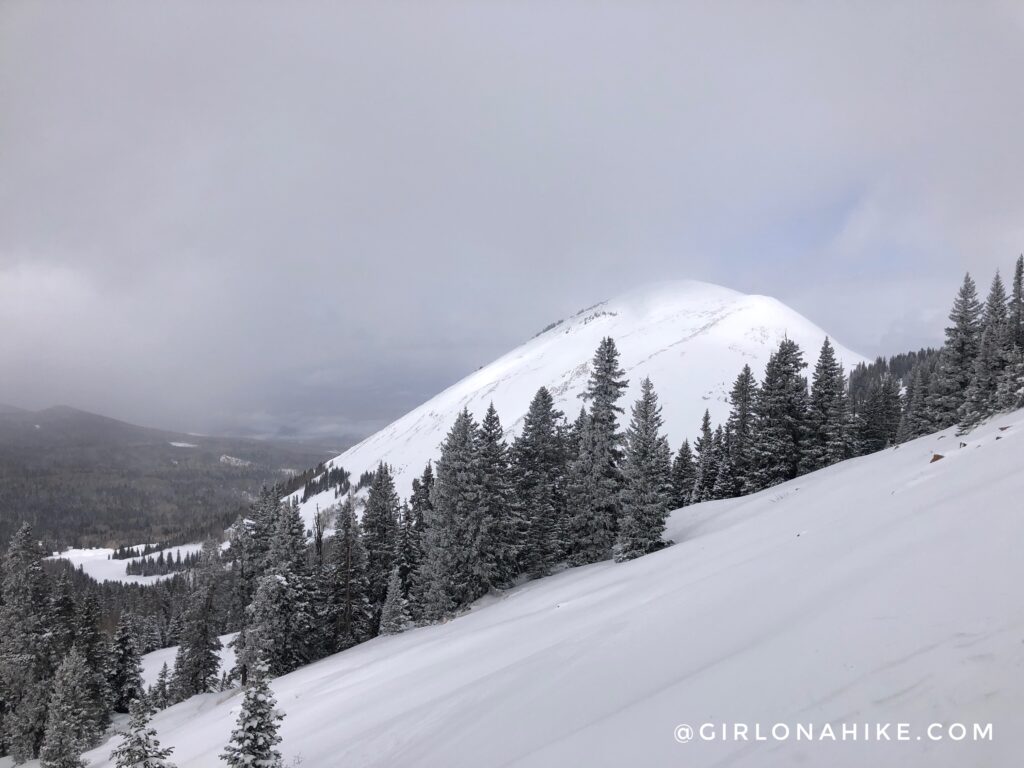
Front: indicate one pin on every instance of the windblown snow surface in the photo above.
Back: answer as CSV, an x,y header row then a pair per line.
x,y
691,338
887,589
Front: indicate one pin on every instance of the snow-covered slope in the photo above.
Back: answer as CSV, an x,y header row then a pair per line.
x,y
884,589
691,338
152,662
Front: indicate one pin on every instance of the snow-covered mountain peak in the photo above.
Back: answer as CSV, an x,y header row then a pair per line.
x,y
690,337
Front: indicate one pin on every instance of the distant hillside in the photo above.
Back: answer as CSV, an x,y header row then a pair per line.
x,y
88,480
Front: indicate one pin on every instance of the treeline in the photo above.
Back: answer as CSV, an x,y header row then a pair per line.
x,y
161,565
334,477
123,553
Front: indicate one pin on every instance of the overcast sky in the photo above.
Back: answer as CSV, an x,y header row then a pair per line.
x,y
311,217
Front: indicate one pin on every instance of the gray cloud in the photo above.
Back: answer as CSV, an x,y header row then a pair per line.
x,y
312,216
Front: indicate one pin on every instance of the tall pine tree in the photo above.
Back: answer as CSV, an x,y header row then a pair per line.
x,y
647,469
538,461
828,418
380,535
780,431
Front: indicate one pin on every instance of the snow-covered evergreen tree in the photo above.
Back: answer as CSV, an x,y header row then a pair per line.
x,y
159,692
593,529
915,420
246,562
828,419
496,530
69,728
420,509
683,473
780,427
255,738
647,469
25,647
539,471
380,535
63,615
1015,310
705,466
197,661
948,389
125,666
394,617
350,597
455,497
739,437
139,747
994,353
93,646
880,416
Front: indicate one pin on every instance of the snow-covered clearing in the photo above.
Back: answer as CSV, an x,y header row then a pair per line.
x,y
885,589
99,564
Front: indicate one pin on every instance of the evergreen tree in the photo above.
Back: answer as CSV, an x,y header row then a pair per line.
x,y
915,420
705,468
828,419
69,730
380,535
780,419
1015,313
980,401
197,661
736,465
394,617
495,530
727,482
288,549
994,354
647,469
63,615
245,568
94,648
25,647
351,601
139,747
683,475
1010,389
956,365
455,499
159,693
538,466
125,666
880,417
594,528
421,509
254,741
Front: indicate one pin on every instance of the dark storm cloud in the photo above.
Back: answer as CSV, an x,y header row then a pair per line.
x,y
312,216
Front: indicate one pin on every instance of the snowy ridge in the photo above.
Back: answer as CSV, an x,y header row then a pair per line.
x,y
881,589
691,338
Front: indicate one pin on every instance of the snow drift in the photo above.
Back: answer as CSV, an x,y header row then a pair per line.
x,y
691,338
883,589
